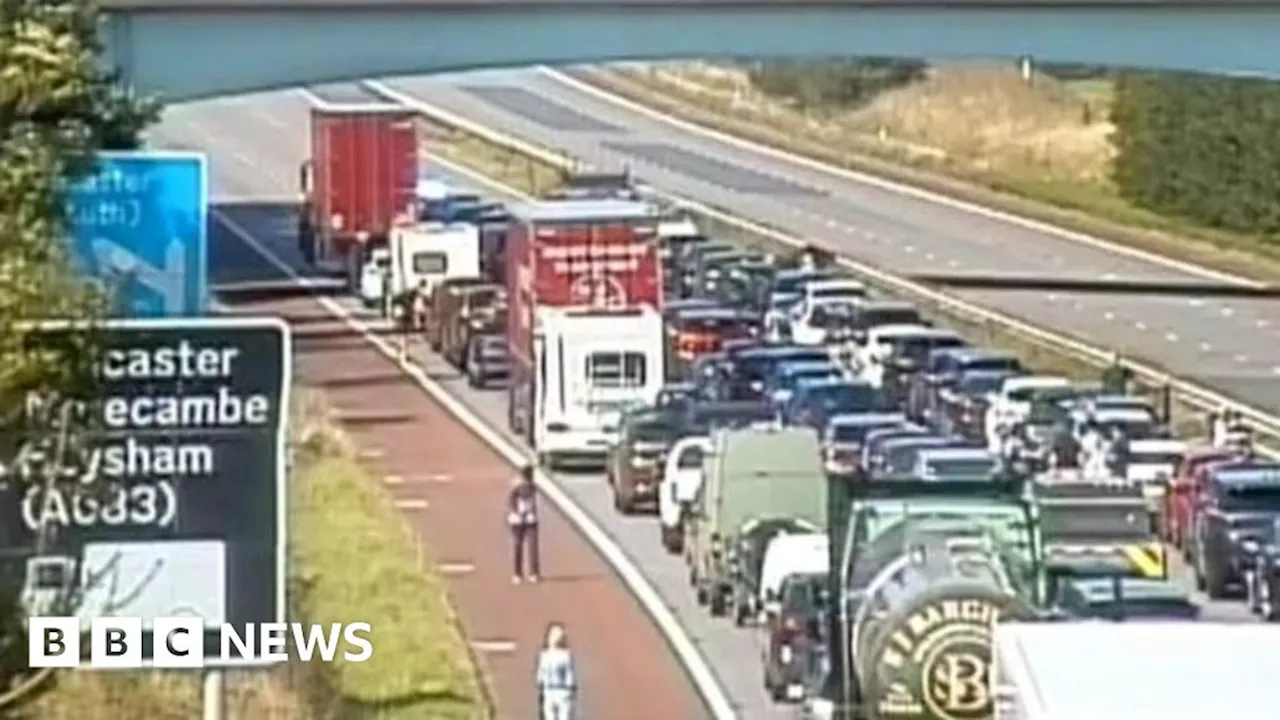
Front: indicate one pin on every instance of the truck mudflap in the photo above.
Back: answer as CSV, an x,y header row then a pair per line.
x,y
1099,528
929,656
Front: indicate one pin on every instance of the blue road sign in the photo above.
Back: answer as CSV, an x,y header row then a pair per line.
x,y
140,226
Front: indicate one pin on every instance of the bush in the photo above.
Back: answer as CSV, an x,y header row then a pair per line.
x,y
833,84
1200,147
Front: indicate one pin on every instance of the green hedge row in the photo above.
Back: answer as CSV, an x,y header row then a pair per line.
x,y
833,84
1200,147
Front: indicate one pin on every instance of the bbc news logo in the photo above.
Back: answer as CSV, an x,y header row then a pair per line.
x,y
178,642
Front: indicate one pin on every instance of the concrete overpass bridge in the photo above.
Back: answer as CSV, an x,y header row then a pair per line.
x,y
187,49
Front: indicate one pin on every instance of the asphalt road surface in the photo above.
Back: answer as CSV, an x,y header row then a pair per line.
x,y
1232,345
255,144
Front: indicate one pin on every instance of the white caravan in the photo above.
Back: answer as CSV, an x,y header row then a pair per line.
x,y
591,365
426,254
681,483
791,554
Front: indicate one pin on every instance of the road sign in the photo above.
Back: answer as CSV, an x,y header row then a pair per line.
x,y
172,495
139,225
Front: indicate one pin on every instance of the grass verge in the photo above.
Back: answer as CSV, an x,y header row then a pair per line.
x,y
532,177
355,558
1091,208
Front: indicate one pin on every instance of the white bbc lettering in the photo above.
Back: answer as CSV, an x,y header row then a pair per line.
x,y
308,640
274,638
53,642
115,642
357,634
178,642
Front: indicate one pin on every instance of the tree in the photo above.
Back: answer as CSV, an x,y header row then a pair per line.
x,y
57,108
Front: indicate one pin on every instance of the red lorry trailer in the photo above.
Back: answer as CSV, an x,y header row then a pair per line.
x,y
359,179
573,253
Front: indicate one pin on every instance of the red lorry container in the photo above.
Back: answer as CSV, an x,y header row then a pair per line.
x,y
360,178
574,253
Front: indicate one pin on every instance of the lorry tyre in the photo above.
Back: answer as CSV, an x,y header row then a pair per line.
x,y
672,540
621,504
700,594
718,603
741,611
1215,582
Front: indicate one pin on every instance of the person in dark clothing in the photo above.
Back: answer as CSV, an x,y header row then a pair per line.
x,y
1115,379
522,520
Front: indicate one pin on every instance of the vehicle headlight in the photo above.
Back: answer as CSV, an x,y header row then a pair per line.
x,y
638,461
1249,546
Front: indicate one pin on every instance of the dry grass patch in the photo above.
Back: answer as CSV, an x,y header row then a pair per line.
x,y
1041,168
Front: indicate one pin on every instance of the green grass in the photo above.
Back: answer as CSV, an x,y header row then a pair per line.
x,y
354,558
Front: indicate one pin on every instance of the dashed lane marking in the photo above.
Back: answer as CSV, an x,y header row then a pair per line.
x,y
412,504
493,647
453,569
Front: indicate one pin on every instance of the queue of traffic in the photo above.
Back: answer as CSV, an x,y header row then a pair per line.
x,y
868,492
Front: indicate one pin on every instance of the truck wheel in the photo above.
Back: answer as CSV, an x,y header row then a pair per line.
x,y
672,540
699,593
1215,584
719,603
621,504
740,614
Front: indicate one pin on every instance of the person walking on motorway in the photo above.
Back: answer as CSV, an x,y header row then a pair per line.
x,y
557,681
522,520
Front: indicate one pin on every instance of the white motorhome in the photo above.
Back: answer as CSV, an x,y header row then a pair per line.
x,y
591,365
791,554
426,254
834,289
681,483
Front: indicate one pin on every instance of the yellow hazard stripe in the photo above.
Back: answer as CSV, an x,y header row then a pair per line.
x,y
1148,559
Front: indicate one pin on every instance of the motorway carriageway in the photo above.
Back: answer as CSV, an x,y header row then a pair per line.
x,y
255,144
1232,345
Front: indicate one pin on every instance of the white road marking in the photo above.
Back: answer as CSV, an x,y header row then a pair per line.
x,y
1140,325
455,568
371,453
1205,347
494,647
1227,311
1171,337
412,504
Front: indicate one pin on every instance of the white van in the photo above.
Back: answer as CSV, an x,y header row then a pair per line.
x,y
681,483
798,553
590,365
426,254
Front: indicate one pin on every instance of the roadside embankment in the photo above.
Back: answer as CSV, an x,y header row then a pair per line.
x,y
978,135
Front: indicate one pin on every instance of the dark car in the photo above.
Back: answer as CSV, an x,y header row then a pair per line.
x,y
637,462
695,332
845,434
1125,599
1240,502
748,369
960,407
487,360
794,636
816,401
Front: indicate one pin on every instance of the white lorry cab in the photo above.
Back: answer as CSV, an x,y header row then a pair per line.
x,y
681,483
1151,670
791,554
589,366
1011,404
426,254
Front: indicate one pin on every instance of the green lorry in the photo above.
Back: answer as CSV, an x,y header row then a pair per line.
x,y
926,567
757,480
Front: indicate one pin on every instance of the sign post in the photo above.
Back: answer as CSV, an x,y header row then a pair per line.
x,y
140,226
172,497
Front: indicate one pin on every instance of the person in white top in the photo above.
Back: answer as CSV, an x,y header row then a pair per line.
x,y
556,677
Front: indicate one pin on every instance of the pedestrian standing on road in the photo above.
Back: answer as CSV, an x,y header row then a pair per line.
x,y
522,521
1115,379
1218,428
557,681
